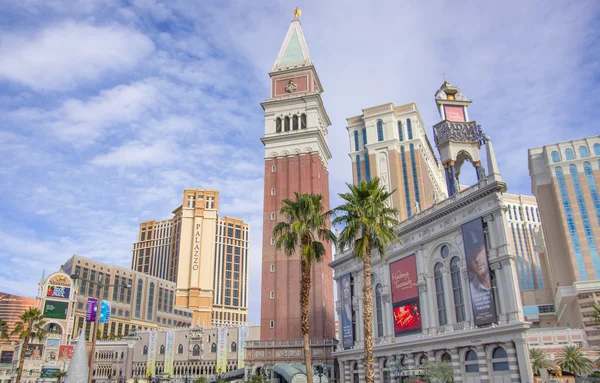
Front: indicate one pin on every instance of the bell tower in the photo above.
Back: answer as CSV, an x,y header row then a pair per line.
x,y
296,156
457,138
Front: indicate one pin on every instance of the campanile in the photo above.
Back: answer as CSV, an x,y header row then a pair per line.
x,y
296,156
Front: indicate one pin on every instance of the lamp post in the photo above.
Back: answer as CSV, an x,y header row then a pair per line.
x,y
101,285
319,371
398,367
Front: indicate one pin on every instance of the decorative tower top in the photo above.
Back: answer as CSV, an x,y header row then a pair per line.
x,y
452,104
294,51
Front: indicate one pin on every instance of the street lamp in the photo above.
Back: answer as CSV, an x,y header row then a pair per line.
x,y
101,285
319,370
398,367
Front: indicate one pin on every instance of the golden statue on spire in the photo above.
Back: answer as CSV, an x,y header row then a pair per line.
x,y
297,12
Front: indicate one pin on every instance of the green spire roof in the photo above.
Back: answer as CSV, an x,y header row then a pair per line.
x,y
294,51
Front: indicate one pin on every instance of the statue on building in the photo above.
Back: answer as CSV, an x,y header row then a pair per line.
x,y
481,173
456,185
417,207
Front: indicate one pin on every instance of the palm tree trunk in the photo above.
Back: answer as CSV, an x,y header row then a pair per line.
x,y
368,316
304,294
22,358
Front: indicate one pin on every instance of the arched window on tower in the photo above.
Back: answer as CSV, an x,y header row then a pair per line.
x,y
180,349
439,293
356,140
145,350
569,154
364,134
409,129
213,347
583,152
295,122
380,130
286,126
555,156
278,125
196,350
471,362
597,149
162,349
459,304
233,347
358,178
303,121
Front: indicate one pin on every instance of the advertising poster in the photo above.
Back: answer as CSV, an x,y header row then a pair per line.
x,y
405,296
104,312
49,372
151,363
454,113
65,352
90,312
52,343
169,352
347,328
58,292
480,283
242,336
55,309
222,350
34,351
6,356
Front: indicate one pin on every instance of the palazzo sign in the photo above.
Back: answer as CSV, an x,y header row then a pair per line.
x,y
196,257
459,132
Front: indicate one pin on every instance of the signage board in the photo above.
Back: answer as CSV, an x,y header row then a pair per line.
x,y
49,372
60,280
58,291
56,309
6,356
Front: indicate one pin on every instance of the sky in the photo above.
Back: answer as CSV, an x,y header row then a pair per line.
x,y
109,109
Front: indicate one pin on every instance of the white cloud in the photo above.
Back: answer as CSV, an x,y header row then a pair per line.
x,y
63,56
137,154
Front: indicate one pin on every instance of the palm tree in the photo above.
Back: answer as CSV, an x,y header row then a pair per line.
x,y
30,326
3,330
368,225
539,361
305,226
596,314
571,359
59,375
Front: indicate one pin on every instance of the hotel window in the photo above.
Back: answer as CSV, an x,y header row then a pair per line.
x,y
295,122
379,309
272,295
145,350
364,134
138,299
358,169
190,203
272,324
569,154
583,152
273,191
367,168
380,130
287,124
356,141
415,176
273,216
273,169
196,350
587,168
597,149
409,128
400,133
459,304
471,362
233,347
499,359
405,174
150,301
272,267
439,293
272,241
278,125
303,121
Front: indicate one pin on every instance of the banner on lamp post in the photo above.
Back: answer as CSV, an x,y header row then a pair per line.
x,y
151,363
222,350
90,312
242,336
104,312
169,352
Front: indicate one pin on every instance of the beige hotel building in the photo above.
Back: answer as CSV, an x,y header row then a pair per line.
x,y
205,255
565,179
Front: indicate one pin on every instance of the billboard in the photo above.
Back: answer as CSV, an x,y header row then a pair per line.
x,y
58,292
65,352
480,284
34,350
454,113
49,372
56,309
52,343
407,317
151,363
222,350
347,328
405,296
241,349
6,356
169,352
104,312
90,312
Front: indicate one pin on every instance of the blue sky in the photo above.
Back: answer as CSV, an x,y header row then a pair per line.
x,y
109,109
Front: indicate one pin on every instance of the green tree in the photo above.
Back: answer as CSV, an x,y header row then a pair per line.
x,y
59,375
572,359
368,223
30,326
539,361
439,372
201,379
596,314
304,227
256,379
3,330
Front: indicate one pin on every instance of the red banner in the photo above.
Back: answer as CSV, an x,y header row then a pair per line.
x,y
454,113
403,276
407,317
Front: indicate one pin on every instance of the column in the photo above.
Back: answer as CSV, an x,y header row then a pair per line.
x,y
499,293
458,376
448,296
452,178
388,314
483,364
511,291
430,304
520,353
344,366
424,302
466,292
